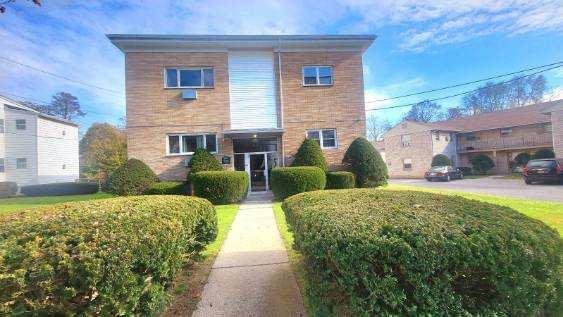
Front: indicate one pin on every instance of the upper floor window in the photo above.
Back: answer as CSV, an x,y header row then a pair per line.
x,y
21,163
317,75
470,137
406,140
2,168
187,143
1,125
20,124
505,131
325,137
199,77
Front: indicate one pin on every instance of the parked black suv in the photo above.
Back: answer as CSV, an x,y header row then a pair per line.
x,y
545,170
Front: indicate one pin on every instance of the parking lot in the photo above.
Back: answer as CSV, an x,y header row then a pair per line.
x,y
494,186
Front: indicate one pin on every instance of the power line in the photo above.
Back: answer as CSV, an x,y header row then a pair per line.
x,y
59,76
46,103
465,84
465,92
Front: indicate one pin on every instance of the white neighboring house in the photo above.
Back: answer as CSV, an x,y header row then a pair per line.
x,y
36,148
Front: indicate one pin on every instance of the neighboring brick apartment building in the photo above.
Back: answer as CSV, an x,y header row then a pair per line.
x,y
410,146
225,93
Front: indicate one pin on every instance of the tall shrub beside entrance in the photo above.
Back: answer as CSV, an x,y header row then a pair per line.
x,y
310,154
365,162
202,161
481,163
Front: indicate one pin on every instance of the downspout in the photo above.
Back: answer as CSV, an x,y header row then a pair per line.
x,y
281,99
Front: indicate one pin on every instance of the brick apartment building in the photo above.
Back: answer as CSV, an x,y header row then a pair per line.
x,y
409,146
251,100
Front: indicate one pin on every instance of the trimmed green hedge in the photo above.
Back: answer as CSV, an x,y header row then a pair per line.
x,y
441,160
8,189
288,181
167,188
60,189
221,187
481,163
105,257
366,163
340,180
132,178
404,253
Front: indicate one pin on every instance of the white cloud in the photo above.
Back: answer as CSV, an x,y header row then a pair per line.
x,y
555,94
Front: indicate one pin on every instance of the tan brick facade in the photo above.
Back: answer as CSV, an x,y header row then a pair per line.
x,y
419,151
339,106
557,128
153,111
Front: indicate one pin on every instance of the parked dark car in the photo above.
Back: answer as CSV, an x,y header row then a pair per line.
x,y
443,173
544,170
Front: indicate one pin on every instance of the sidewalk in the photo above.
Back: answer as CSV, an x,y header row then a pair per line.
x,y
251,275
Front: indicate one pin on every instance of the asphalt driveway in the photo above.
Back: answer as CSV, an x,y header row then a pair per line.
x,y
493,186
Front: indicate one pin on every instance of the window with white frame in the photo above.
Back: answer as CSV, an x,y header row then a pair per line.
x,y
2,168
195,77
186,144
407,163
406,140
20,124
317,75
325,137
21,163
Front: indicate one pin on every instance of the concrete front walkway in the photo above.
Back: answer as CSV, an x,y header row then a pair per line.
x,y
251,275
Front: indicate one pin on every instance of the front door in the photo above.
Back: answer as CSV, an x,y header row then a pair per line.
x,y
258,173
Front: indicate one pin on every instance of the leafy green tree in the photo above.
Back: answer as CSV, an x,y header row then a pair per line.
x,y
543,154
366,163
102,150
441,160
481,163
310,154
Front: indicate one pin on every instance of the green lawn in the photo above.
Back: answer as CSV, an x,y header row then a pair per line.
x,y
551,213
18,203
225,216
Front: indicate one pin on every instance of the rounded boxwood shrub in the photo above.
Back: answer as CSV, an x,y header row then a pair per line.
x,y
60,189
340,180
374,252
132,178
167,188
543,154
441,160
203,161
221,187
522,159
310,154
287,181
109,257
8,189
481,163
365,162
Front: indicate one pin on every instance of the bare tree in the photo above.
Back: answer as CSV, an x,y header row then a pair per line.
x,y
425,111
6,2
66,106
376,127
453,113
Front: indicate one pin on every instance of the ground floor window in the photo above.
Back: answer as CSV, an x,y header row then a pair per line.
x,y
21,163
325,137
186,144
407,163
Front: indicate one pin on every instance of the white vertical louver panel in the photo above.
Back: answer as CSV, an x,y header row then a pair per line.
x,y
252,90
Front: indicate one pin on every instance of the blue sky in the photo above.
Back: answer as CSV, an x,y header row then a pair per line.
x,y
421,44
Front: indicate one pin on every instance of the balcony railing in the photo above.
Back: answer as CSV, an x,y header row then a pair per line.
x,y
527,141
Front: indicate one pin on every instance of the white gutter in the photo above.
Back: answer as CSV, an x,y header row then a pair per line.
x,y
281,98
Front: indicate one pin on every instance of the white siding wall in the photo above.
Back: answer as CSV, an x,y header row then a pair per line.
x,y
446,147
20,144
252,90
2,138
55,150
